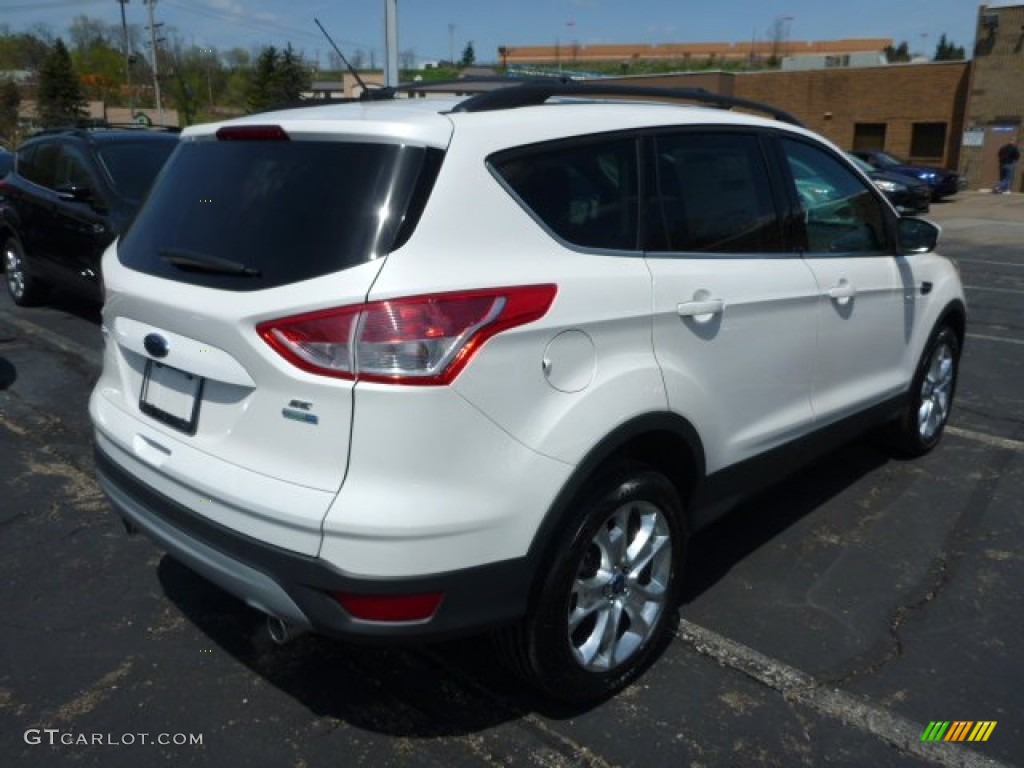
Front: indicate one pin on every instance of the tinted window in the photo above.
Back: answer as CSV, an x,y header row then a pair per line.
x,y
132,167
71,170
284,211
586,193
714,195
38,163
840,212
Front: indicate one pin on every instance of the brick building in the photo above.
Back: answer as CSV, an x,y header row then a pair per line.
x,y
954,114
995,105
914,111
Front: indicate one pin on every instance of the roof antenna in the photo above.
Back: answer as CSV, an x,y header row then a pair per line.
x,y
367,93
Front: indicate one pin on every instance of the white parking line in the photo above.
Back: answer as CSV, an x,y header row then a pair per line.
x,y
995,338
980,437
994,290
794,685
994,263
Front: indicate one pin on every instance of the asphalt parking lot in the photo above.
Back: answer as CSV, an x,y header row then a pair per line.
x,y
829,621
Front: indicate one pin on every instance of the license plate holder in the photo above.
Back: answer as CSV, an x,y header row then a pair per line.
x,y
172,397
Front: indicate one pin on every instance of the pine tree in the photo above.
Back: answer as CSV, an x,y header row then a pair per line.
x,y
899,53
292,77
468,55
60,93
10,99
260,94
947,51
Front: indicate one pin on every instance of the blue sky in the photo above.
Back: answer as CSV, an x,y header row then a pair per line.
x,y
433,28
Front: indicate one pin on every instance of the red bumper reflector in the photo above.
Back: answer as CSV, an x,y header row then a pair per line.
x,y
390,607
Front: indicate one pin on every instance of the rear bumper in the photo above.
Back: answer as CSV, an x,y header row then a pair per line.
x,y
297,588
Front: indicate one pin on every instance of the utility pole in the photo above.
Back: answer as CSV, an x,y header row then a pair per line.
x,y
390,43
127,59
153,59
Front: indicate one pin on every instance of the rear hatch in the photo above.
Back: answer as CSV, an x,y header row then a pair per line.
x,y
247,226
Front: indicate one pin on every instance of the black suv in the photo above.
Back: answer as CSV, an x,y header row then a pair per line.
x,y
72,191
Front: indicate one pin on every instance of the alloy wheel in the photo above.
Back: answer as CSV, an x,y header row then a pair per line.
x,y
621,587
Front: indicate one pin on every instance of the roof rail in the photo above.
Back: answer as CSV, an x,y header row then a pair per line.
x,y
82,128
536,92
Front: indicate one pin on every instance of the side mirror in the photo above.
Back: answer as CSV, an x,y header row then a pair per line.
x,y
917,235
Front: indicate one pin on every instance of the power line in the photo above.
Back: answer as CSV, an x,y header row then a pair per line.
x,y
45,4
269,28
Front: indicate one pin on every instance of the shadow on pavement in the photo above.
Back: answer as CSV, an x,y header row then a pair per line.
x,y
458,688
716,549
8,373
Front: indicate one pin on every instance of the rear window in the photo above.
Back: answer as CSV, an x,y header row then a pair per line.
x,y
250,215
133,166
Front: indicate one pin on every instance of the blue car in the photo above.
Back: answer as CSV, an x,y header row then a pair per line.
x,y
943,183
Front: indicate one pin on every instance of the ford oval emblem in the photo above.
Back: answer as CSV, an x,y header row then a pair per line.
x,y
156,345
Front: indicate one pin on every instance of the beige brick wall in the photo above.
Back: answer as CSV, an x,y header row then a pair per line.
x,y
832,101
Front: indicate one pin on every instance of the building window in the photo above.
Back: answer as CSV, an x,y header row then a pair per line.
x,y
928,140
869,137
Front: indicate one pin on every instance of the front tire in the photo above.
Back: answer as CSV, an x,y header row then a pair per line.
x,y
609,597
920,427
24,289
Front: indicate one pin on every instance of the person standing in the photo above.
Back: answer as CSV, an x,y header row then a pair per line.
x,y
1008,157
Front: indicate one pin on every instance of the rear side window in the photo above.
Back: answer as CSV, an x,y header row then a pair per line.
x,y
715,195
38,163
250,215
133,166
585,193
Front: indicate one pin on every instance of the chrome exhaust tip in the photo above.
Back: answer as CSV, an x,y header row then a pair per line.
x,y
281,632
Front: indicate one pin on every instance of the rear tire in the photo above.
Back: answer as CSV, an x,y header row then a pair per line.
x,y
24,289
609,598
920,427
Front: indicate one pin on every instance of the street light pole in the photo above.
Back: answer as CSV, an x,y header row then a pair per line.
x,y
390,43
127,59
153,60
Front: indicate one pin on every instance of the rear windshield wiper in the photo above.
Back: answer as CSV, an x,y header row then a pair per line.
x,y
194,261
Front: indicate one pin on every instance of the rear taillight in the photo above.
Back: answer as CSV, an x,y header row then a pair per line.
x,y
413,340
252,133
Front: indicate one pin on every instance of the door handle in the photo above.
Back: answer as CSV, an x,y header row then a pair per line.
x,y
842,291
698,308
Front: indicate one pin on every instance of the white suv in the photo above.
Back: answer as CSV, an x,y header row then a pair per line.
x,y
410,368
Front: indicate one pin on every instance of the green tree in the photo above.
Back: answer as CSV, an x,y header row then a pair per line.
x,y
23,51
260,93
60,94
278,77
948,51
899,53
10,100
468,55
292,77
